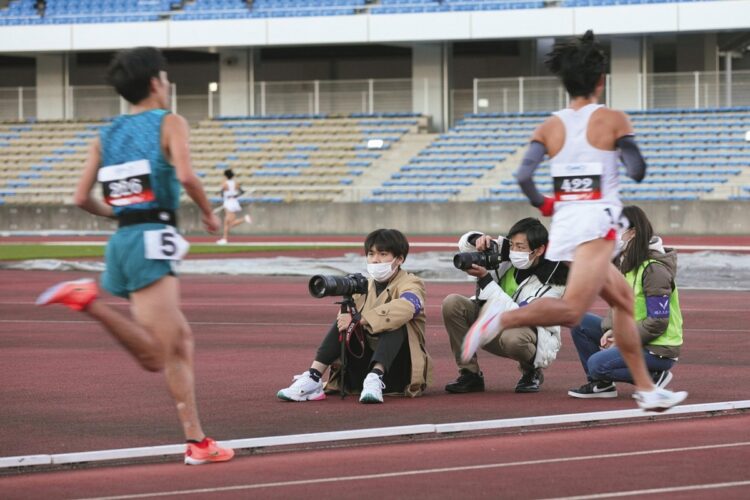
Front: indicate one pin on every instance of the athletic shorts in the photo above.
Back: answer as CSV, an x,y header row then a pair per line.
x,y
127,268
575,224
232,205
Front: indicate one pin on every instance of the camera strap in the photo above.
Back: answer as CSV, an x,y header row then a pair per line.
x,y
356,329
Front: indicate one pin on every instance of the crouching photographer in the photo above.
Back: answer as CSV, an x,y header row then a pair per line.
x,y
515,272
377,340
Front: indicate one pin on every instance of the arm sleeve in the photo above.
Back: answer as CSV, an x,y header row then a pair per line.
x,y
525,174
657,288
399,311
631,157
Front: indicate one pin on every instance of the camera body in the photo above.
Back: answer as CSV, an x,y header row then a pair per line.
x,y
490,259
326,286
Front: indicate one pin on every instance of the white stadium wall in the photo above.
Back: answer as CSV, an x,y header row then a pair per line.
x,y
481,25
672,218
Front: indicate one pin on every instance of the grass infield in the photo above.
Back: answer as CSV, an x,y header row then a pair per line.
x,y
23,251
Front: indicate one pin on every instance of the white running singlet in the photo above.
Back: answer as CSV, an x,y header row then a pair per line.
x,y
586,187
230,197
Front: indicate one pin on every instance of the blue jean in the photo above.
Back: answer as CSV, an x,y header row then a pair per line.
x,y
607,364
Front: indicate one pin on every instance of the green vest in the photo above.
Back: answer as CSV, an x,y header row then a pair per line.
x,y
673,335
508,281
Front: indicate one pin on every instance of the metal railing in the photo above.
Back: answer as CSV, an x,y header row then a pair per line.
x,y
488,95
330,96
698,89
98,102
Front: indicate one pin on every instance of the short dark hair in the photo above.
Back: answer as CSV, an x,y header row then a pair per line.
x,y
637,250
534,230
131,71
579,63
388,240
228,173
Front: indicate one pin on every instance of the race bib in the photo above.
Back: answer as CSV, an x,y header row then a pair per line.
x,y
126,184
165,244
577,181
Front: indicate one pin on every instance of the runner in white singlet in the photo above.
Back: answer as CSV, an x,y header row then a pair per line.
x,y
584,142
230,192
586,187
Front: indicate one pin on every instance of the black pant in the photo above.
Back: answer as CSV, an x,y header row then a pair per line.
x,y
388,345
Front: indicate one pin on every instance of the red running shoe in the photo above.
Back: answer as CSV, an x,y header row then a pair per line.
x,y
206,452
75,294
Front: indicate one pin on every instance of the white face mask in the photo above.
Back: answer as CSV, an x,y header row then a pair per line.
x,y
381,271
520,260
621,245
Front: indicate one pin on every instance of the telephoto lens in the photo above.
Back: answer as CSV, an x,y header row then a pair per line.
x,y
325,286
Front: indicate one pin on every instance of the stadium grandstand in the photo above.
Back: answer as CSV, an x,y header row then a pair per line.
x,y
390,102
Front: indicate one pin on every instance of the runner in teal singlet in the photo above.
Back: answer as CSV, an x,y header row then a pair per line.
x,y
141,160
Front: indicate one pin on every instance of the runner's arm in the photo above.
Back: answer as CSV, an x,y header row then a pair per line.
x,y
82,197
631,157
625,141
525,174
178,148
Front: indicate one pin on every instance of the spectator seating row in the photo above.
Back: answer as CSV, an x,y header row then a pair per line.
x,y
453,162
24,12
310,158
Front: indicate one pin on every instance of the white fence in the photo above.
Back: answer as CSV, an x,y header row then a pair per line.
x,y
96,102
656,91
488,95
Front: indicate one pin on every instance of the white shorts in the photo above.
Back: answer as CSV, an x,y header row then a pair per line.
x,y
575,224
232,205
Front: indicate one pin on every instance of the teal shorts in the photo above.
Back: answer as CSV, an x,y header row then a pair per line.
x,y
127,268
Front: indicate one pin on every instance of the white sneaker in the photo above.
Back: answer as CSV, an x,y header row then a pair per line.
x,y
372,389
485,328
248,219
304,388
221,242
659,399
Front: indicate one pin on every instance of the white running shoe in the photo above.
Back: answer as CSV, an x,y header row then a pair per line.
x,y
221,242
304,388
659,399
248,219
372,389
485,328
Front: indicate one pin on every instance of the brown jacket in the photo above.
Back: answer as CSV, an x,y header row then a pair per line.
x,y
392,309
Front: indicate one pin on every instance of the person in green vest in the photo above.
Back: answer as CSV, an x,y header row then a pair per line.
x,y
650,269
523,274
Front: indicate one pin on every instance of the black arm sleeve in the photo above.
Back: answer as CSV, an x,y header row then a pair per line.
x,y
631,157
525,174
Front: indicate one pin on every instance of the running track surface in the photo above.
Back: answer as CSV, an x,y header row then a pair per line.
x,y
686,459
72,389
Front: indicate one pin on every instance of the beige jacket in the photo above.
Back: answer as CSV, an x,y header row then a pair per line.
x,y
401,303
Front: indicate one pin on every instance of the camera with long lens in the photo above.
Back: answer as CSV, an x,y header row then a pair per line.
x,y
326,286
490,259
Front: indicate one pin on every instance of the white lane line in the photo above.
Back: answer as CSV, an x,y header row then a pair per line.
x,y
357,244
377,432
259,323
329,305
657,491
419,472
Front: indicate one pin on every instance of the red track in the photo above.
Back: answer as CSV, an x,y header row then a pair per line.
x,y
68,387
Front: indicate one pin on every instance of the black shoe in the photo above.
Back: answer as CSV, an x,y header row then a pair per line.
x,y
594,390
662,378
466,382
530,381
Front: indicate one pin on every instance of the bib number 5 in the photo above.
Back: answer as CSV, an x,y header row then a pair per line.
x,y
165,244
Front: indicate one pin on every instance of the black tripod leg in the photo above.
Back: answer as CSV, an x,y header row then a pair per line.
x,y
342,336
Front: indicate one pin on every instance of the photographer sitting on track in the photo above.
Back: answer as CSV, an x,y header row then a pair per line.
x,y
384,337
522,274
